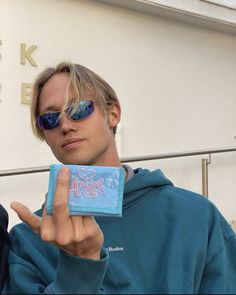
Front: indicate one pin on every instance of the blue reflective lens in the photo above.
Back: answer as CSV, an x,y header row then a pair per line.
x,y
86,107
51,120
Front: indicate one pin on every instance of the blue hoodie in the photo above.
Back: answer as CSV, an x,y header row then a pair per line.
x,y
168,241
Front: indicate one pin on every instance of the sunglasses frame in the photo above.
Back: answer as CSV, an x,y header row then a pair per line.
x,y
83,105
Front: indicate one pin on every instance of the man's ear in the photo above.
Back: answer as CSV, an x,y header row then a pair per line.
x,y
114,114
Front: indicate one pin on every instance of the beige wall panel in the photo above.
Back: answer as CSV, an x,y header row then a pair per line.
x,y
176,84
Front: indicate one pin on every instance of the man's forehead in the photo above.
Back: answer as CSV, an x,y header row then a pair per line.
x,y
57,93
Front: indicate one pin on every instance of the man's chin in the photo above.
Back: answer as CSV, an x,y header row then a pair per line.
x,y
69,161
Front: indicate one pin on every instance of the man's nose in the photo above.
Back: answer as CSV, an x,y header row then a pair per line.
x,y
66,123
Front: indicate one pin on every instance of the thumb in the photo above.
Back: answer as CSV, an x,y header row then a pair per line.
x,y
27,216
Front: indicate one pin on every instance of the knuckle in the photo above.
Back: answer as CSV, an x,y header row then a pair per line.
x,y
62,181
46,235
63,177
62,240
59,205
77,237
90,232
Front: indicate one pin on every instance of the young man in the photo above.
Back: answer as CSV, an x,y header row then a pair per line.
x,y
4,245
169,240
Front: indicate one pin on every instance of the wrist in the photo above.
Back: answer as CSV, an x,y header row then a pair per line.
x,y
92,256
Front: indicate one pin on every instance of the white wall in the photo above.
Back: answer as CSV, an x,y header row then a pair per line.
x,y
176,84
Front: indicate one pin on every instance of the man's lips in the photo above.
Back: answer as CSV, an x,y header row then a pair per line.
x,y
71,142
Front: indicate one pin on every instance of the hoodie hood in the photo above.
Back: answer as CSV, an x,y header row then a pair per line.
x,y
141,184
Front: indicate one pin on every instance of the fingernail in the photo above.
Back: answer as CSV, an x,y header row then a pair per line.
x,y
64,171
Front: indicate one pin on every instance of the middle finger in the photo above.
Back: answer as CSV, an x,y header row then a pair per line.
x,y
60,204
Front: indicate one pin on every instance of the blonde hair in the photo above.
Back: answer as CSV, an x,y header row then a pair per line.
x,y
82,82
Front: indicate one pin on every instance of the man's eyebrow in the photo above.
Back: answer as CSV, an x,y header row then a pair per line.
x,y
51,108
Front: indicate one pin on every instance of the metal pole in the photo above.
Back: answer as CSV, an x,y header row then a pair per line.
x,y
205,163
125,160
205,177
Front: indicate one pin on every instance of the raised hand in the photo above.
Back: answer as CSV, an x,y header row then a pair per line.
x,y
76,235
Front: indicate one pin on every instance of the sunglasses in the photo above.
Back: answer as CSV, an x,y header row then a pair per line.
x,y
49,121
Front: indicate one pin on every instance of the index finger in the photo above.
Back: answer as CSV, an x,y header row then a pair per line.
x,y
27,216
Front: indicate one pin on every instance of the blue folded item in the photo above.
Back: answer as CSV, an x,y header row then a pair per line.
x,y
94,190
